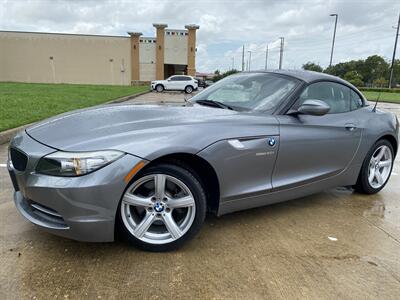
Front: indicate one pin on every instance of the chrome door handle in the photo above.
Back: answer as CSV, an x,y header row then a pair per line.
x,y
350,127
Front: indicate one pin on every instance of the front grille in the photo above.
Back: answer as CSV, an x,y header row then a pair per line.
x,y
19,159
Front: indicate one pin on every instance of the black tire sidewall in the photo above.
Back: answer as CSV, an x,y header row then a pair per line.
x,y
162,88
363,184
188,87
198,193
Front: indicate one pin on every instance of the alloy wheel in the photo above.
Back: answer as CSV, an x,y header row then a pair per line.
x,y
158,209
380,167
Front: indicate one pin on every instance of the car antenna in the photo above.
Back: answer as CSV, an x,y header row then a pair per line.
x,y
377,100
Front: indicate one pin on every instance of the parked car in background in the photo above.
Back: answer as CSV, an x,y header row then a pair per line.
x,y
208,83
201,82
176,83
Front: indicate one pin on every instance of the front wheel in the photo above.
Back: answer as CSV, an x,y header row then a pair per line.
x,y
163,208
376,169
159,88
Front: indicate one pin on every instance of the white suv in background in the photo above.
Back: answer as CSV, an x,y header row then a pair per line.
x,y
176,83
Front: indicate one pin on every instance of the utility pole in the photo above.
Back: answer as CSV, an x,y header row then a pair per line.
x,y
249,60
243,59
394,54
266,58
233,63
334,36
281,52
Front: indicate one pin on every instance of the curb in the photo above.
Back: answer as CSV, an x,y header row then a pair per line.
x,y
126,98
5,136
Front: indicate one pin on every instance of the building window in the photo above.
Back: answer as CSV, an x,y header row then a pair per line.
x,y
186,33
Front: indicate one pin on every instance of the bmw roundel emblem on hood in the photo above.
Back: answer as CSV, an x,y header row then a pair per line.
x,y
271,142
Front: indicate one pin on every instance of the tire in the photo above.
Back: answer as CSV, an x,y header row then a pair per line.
x,y
186,221
159,88
188,89
369,167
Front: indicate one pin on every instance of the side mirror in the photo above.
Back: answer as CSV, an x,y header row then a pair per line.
x,y
314,107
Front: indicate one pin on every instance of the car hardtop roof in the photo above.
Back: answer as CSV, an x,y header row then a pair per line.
x,y
304,75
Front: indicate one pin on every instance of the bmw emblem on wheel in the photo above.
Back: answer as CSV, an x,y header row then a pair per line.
x,y
158,207
271,142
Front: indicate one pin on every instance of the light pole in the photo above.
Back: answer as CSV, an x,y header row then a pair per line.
x,y
249,59
281,52
243,58
334,36
394,54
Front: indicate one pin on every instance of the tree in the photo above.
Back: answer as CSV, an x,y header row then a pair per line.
x,y
375,67
372,68
219,76
396,73
354,78
380,82
310,66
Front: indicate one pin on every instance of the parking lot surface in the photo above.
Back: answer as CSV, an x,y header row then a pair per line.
x,y
335,244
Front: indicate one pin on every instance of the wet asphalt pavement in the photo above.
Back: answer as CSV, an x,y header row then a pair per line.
x,y
335,244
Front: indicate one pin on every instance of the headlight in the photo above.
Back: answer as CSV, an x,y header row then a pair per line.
x,y
75,164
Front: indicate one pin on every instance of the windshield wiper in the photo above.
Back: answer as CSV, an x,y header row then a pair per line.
x,y
214,104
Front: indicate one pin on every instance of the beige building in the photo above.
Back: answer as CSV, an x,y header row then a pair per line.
x,y
97,59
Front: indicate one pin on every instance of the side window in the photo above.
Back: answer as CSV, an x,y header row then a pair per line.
x,y
356,101
336,95
180,78
174,78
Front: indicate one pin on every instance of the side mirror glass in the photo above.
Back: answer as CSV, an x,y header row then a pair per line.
x,y
314,107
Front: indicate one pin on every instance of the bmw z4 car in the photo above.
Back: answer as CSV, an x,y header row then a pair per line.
x,y
152,173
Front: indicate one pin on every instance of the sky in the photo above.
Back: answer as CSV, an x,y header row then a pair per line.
x,y
364,27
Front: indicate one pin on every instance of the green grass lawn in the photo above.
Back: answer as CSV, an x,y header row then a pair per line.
x,y
23,103
385,97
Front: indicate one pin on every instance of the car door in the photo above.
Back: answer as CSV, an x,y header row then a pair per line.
x,y
172,83
313,148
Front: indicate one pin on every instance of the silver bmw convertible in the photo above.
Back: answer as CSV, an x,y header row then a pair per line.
x,y
151,173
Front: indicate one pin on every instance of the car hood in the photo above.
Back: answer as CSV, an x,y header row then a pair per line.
x,y
148,130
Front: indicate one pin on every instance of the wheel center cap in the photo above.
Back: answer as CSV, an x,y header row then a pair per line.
x,y
158,207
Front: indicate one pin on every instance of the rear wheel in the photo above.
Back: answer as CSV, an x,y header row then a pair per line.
x,y
163,208
376,169
188,89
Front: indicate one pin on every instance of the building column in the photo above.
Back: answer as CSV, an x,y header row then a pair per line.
x,y
135,67
160,36
191,60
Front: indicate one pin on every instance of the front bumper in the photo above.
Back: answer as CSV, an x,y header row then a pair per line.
x,y
81,208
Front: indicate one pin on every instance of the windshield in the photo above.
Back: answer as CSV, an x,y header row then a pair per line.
x,y
249,91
